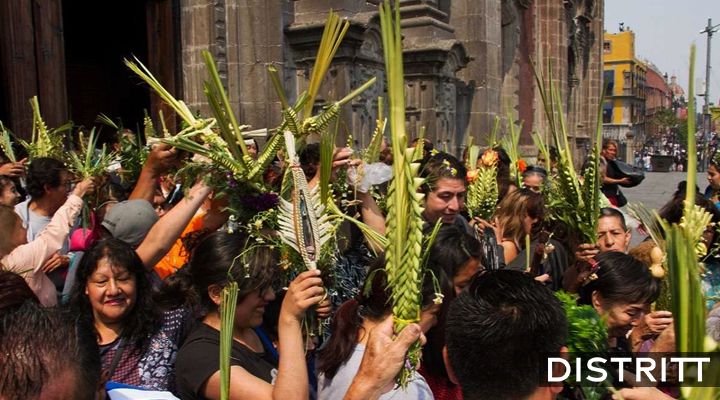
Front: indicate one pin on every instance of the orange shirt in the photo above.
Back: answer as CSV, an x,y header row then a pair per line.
x,y
178,255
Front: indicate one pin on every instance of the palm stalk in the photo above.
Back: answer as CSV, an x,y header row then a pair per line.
x,y
327,151
419,145
372,153
227,323
6,144
229,128
404,220
333,33
687,301
510,144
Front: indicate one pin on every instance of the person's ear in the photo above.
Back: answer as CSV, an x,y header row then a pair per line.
x,y
628,237
597,301
215,294
557,387
450,371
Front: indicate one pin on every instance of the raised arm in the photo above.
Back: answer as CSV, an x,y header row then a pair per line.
x,y
166,231
160,159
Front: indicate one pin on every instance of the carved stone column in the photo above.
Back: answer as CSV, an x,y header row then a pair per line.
x,y
432,57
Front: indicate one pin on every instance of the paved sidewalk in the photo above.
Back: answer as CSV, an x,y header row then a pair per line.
x,y
656,190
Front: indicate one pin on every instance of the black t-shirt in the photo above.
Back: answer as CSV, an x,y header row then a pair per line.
x,y
199,359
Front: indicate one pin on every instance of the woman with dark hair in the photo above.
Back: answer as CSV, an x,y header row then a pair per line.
x,y
339,359
255,373
112,296
458,257
621,289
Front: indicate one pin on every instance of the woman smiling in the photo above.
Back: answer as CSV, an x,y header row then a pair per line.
x,y
113,297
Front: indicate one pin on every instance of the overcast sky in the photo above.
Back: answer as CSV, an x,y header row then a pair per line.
x,y
664,31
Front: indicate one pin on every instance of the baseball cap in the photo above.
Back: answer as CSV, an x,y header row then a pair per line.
x,y
130,220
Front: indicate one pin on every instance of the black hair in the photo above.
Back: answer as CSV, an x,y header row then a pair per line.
x,y
216,257
43,171
40,345
610,212
440,165
310,159
144,318
373,303
672,211
621,278
452,249
498,332
535,170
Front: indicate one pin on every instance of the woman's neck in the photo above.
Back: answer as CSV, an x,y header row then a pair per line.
x,y
246,336
107,332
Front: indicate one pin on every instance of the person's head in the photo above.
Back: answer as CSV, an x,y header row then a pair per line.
x,y
310,160
621,289
47,178
444,187
254,267
46,357
15,233
373,303
112,287
457,254
713,172
252,148
609,149
9,195
534,178
130,220
613,233
14,292
517,213
498,331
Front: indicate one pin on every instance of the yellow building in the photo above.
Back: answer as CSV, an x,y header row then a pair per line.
x,y
624,82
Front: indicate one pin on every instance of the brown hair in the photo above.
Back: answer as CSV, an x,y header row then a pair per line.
x,y
514,207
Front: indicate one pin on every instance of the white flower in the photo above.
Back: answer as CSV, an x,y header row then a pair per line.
x,y
438,298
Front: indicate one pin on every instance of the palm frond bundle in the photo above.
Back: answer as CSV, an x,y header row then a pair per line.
x,y
6,144
227,322
89,163
45,142
482,191
576,206
404,220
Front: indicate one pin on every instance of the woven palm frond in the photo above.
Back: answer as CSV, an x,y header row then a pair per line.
x,y
303,223
404,202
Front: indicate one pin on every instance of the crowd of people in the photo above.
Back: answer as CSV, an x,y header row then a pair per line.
x,y
131,298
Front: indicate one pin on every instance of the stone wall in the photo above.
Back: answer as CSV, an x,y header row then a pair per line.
x,y
466,61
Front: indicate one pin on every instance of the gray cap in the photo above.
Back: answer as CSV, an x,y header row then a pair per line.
x,y
130,220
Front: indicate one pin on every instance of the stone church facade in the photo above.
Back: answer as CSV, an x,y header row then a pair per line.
x,y
466,61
